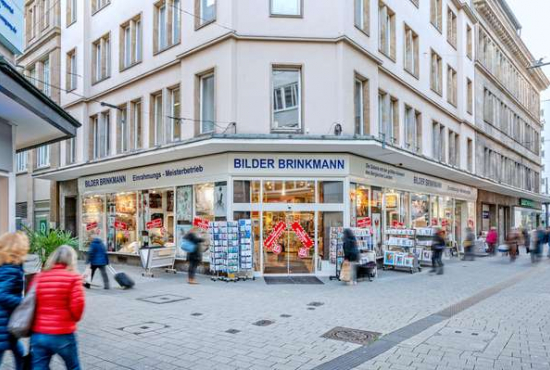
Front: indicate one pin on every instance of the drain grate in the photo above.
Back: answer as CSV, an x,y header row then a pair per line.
x,y
315,304
311,308
232,331
163,299
146,327
263,323
196,314
356,336
286,316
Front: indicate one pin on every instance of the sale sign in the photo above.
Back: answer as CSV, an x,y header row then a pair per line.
x,y
201,223
395,223
364,222
277,249
91,226
154,224
303,253
444,222
119,225
275,234
302,235
434,222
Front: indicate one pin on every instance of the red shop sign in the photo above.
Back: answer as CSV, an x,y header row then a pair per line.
x,y
201,223
434,221
155,224
277,249
119,225
275,234
395,223
364,222
91,226
302,235
303,253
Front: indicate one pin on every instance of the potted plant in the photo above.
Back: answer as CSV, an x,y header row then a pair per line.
x,y
43,243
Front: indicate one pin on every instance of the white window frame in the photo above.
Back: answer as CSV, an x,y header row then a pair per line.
x,y
162,26
158,119
202,80
174,120
296,92
43,156
272,11
176,21
22,160
358,89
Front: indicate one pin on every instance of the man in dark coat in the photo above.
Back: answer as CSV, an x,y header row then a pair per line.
x,y
438,246
98,259
351,253
11,289
194,258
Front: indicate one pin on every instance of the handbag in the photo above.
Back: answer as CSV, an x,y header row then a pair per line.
x,y
22,318
188,246
87,275
345,271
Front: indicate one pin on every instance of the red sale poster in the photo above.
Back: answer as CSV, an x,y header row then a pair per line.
x,y
91,226
277,249
302,235
201,223
275,234
364,222
119,225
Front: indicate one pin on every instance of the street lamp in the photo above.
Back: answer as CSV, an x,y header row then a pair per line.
x,y
538,63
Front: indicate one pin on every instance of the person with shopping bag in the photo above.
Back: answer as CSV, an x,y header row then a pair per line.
x,y
351,257
192,244
13,250
60,305
98,260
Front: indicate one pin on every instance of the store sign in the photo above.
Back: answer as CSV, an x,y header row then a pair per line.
x,y
201,223
434,222
275,234
11,25
526,203
119,225
91,226
154,224
364,222
289,163
486,215
302,235
303,252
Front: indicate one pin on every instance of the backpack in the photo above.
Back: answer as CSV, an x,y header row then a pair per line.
x,y
188,246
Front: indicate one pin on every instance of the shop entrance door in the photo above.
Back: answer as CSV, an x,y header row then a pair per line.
x,y
287,254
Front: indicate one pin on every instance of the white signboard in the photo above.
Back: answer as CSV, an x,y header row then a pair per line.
x,y
11,25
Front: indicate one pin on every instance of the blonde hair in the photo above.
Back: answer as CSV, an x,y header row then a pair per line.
x,y
13,248
63,255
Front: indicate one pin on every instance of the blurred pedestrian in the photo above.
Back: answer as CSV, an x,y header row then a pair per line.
x,y
98,260
469,243
351,254
438,246
194,258
492,240
59,307
512,240
526,239
547,240
538,244
13,250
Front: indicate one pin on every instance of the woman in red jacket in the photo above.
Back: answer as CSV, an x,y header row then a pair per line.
x,y
59,306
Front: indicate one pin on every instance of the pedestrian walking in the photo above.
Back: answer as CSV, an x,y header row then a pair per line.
x,y
194,257
98,260
438,246
547,240
469,242
538,244
351,254
59,307
13,250
526,240
512,240
492,240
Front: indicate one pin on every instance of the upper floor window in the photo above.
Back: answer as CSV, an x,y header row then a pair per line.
x,y
413,129
469,96
451,28
291,8
43,156
454,149
206,103
175,112
22,162
469,42
387,31
206,9
31,21
71,11
438,142
131,42
451,86
361,94
470,154
101,135
45,12
411,51
436,73
72,71
158,119
46,82
287,105
362,15
97,5
70,151
388,118
101,56
436,14
167,24
123,131
136,135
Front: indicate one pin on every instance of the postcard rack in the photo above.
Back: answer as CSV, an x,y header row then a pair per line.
x,y
364,244
400,248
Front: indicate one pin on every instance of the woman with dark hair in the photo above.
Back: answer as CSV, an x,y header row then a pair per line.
x,y
351,253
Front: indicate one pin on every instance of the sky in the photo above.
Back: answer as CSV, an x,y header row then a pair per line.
x,y
534,17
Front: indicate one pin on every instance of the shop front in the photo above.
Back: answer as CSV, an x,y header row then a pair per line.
x,y
292,201
527,214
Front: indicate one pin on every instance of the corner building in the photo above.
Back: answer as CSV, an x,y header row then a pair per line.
x,y
326,113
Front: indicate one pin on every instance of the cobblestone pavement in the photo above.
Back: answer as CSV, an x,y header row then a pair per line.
x,y
213,329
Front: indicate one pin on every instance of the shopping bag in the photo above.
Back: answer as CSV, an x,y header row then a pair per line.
x,y
188,246
22,318
345,271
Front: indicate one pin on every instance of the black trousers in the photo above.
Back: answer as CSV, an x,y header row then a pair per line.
x,y
193,264
104,275
437,262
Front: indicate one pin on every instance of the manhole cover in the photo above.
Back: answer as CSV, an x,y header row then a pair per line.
x,y
286,316
352,335
315,304
232,331
163,299
143,328
196,314
263,323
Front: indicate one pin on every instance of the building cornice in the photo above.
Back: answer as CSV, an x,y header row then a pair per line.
x,y
50,35
467,10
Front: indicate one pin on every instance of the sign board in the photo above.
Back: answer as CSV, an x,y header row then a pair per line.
x,y
526,203
275,234
364,222
201,223
119,225
302,235
277,249
154,224
11,25
303,252
486,215
91,226
287,164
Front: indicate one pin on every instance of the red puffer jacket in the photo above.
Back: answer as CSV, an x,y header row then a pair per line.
x,y
59,301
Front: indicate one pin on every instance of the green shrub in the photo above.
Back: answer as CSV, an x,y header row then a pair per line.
x,y
43,243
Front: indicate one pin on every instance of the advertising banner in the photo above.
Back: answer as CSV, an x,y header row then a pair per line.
x,y
302,235
275,234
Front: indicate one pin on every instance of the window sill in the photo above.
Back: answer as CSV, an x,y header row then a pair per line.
x,y
42,167
199,25
294,16
100,81
22,172
100,9
415,75
286,131
392,58
440,93
470,57
122,69
165,49
363,31
452,103
70,89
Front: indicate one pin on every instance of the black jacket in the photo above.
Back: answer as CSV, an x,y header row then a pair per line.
x,y
351,252
197,240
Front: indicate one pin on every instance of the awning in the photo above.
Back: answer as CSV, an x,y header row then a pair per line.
x,y
364,146
37,118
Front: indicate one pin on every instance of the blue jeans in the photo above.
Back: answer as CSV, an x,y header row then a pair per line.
x,y
44,346
18,351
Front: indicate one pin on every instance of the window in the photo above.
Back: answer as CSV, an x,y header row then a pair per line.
x,y
71,11
101,55
287,99
469,42
438,142
175,109
167,24
32,76
70,151
361,14
388,118
43,156
436,77
158,119
123,131
97,5
45,13
387,31
206,9
436,11
206,103
101,135
361,105
411,51
162,41
413,129
176,21
470,148
454,149
469,96
286,7
136,124
130,43
451,27
451,86
31,21
22,162
46,78
71,70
